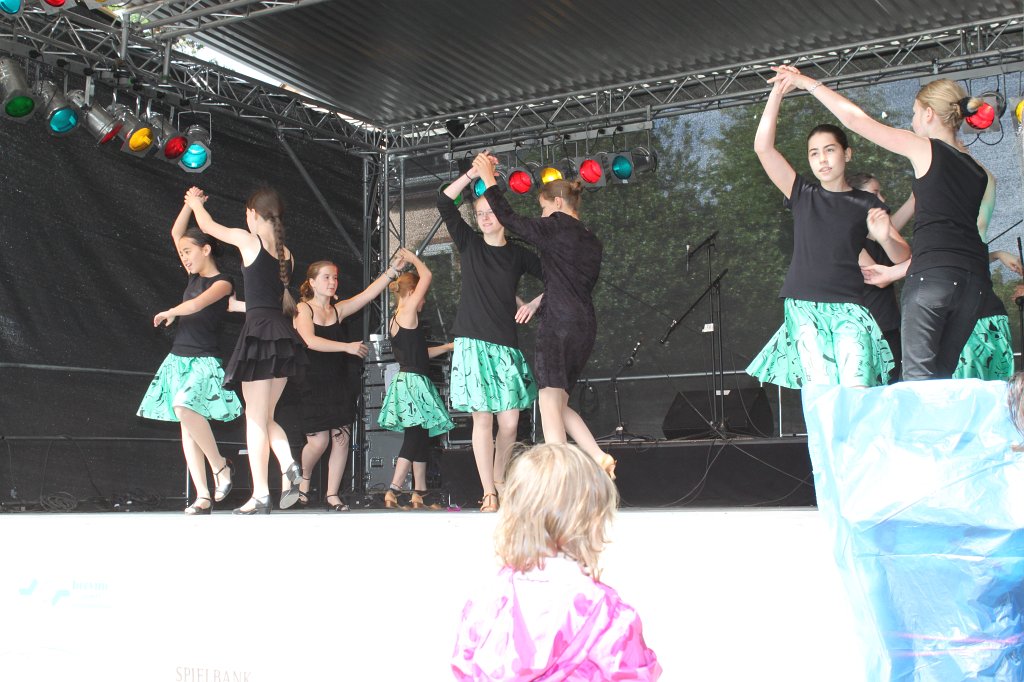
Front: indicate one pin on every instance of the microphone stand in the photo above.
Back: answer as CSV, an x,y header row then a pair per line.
x,y
716,423
620,433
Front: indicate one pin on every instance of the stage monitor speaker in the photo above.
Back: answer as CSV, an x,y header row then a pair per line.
x,y
747,413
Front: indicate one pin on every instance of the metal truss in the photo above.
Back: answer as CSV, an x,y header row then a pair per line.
x,y
85,44
171,19
993,43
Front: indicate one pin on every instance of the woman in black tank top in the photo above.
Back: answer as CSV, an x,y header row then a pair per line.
x,y
949,273
328,397
268,351
188,386
412,404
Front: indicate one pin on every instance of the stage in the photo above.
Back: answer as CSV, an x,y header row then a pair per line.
x,y
724,594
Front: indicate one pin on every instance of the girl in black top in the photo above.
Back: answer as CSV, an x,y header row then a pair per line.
x,y
268,351
949,275
188,386
412,404
489,377
570,256
827,336
328,398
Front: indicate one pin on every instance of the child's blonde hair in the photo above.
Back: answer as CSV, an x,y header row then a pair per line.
x,y
557,499
403,284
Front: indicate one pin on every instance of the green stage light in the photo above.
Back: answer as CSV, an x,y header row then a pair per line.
x,y
61,117
19,102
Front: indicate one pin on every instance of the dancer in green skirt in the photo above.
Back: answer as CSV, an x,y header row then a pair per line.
x,y
489,377
827,336
411,403
188,386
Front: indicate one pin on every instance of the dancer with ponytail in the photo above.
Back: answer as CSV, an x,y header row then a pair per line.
x,y
570,256
412,404
268,351
188,386
949,275
328,404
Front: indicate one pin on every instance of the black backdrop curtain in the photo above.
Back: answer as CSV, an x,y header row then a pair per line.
x,y
86,261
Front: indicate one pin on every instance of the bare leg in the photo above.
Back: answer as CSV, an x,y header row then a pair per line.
x,y
196,467
580,433
336,462
552,402
199,429
258,416
312,451
508,428
278,438
483,449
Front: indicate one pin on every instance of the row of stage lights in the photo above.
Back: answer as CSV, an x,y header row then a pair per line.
x,y
64,113
12,8
594,171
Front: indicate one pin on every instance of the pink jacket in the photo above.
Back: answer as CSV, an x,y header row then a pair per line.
x,y
551,624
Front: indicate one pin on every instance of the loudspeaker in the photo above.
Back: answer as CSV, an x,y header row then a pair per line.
x,y
747,412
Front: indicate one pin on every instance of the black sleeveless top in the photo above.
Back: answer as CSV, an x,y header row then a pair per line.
x,y
410,347
948,198
196,336
262,278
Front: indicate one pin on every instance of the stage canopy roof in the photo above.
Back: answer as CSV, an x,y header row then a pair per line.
x,y
389,75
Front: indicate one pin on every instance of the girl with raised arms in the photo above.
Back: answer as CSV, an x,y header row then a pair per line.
x,y
188,386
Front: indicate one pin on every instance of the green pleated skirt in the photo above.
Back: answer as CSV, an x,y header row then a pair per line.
x,y
489,377
194,383
987,354
824,343
412,400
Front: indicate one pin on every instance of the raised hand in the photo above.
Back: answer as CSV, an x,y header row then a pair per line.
x,y
879,224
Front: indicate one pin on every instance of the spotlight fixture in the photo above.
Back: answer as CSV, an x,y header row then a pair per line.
x,y
986,118
98,121
137,136
55,6
592,169
169,143
560,170
477,187
622,167
19,101
1018,112
11,8
521,179
61,117
197,156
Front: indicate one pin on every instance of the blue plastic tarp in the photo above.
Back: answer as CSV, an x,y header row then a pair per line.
x,y
924,494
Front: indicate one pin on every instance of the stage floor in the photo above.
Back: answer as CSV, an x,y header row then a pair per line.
x,y
725,595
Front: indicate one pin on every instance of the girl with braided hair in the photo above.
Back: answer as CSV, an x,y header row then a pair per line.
x,y
268,350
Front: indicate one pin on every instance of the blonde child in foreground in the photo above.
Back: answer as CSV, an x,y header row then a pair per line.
x,y
547,616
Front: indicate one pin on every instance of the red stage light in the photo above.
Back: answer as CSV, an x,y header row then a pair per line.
x,y
590,171
175,147
982,118
520,182
111,135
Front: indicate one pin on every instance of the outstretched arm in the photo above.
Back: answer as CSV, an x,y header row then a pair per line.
x,y
217,291
360,300
904,142
882,276
434,351
904,213
533,230
774,163
420,292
